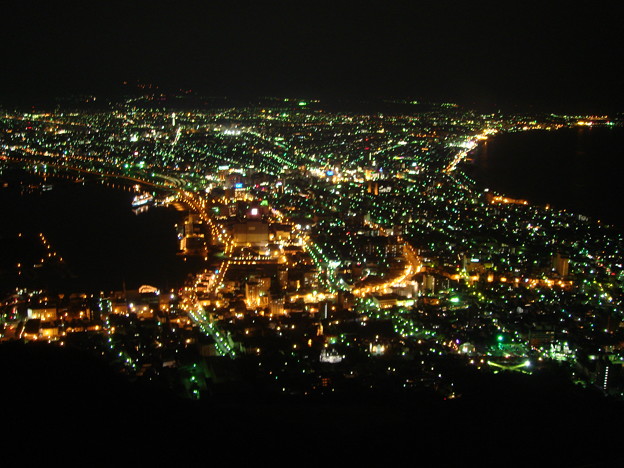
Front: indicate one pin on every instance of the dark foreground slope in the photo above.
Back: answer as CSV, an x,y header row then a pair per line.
x,y
60,404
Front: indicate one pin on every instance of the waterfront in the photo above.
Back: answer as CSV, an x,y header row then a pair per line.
x,y
576,169
92,226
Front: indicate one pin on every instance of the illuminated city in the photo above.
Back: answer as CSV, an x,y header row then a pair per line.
x,y
337,239
326,244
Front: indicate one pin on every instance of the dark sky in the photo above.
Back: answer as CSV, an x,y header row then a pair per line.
x,y
543,54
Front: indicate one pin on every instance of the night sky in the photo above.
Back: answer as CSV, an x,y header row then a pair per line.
x,y
542,55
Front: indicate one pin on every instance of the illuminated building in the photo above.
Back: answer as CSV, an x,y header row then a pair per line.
x,y
560,264
251,233
372,187
252,295
276,304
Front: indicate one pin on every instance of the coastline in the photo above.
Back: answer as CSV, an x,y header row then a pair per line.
x,y
94,228
564,169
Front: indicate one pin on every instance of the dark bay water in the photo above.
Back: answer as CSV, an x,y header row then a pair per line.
x,y
580,169
94,229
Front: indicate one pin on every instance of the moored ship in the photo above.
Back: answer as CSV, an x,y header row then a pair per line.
x,y
142,199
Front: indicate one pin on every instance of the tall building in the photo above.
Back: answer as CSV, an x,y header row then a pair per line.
x,y
252,295
560,264
372,187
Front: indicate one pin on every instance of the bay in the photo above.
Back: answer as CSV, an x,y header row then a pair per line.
x,y
575,169
104,244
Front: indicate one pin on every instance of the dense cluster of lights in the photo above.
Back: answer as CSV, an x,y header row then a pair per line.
x,y
382,211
